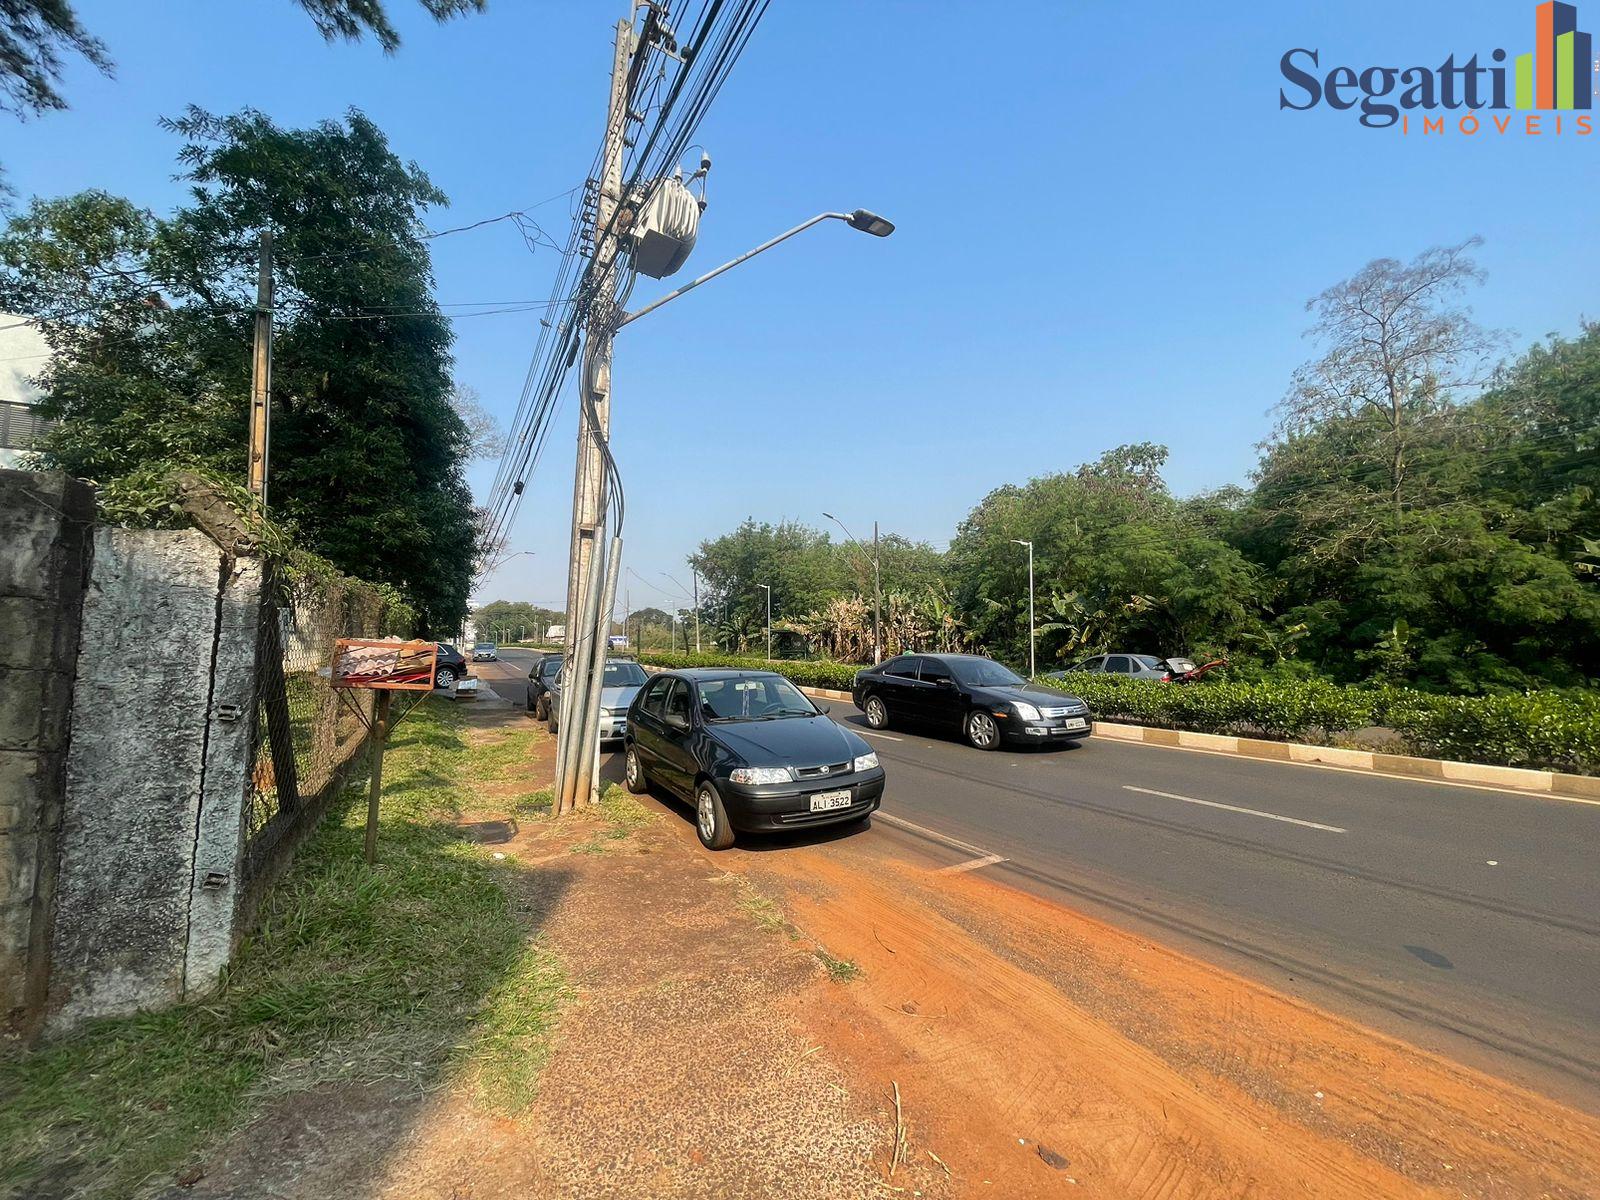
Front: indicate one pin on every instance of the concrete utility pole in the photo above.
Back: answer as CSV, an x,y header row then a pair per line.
x,y
591,593
1033,666
769,618
261,375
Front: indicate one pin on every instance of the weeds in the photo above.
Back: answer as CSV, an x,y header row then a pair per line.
x,y
416,969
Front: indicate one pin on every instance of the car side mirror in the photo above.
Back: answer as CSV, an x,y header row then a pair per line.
x,y
944,683
825,710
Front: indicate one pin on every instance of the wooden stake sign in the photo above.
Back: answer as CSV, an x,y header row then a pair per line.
x,y
385,667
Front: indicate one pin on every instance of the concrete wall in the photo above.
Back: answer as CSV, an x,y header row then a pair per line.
x,y
146,887
45,546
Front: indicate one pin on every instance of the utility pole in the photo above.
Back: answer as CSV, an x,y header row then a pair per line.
x,y
261,375
1033,665
877,599
588,574
694,578
769,618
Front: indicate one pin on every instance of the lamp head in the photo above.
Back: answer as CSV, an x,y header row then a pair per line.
x,y
870,222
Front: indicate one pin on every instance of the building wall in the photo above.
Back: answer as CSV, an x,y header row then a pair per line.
x,y
23,354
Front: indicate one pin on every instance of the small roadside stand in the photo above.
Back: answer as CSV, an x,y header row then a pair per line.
x,y
384,667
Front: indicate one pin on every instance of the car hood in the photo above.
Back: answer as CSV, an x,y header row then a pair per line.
x,y
797,741
619,697
1027,693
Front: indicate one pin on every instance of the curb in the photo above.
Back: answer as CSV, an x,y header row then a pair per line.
x,y
1519,779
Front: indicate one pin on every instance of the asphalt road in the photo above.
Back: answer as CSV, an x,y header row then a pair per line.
x,y
1466,920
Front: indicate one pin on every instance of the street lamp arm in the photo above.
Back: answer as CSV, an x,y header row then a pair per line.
x,y
849,218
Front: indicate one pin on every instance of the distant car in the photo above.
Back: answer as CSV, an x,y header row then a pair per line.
x,y
750,752
540,676
449,666
485,652
1131,666
989,703
622,681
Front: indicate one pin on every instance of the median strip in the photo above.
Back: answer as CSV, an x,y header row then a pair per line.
x,y
1249,812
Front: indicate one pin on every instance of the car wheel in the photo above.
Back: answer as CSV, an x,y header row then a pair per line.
x,y
552,723
542,708
710,818
444,677
983,731
877,713
634,775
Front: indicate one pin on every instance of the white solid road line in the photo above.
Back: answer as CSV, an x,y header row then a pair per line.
x,y
1249,812
972,864
884,736
935,835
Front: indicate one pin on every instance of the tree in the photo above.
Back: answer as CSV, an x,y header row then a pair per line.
x,y
1397,347
150,318
34,35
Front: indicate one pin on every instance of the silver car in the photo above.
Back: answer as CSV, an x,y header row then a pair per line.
x,y
1129,666
623,679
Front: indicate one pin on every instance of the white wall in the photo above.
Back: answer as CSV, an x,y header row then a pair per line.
x,y
23,354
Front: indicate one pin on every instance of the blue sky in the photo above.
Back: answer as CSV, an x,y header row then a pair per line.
x,y
1107,230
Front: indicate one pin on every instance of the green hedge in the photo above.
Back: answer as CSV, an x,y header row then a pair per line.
x,y
1552,730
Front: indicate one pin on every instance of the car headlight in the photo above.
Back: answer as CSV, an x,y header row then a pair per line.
x,y
866,762
761,775
1026,711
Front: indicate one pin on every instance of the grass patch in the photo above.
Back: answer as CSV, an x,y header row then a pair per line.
x,y
506,756
417,969
534,804
623,815
840,970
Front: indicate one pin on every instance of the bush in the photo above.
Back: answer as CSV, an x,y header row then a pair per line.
x,y
1550,730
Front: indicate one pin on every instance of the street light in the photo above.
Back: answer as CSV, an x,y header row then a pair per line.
x,y
866,222
769,619
1033,666
877,576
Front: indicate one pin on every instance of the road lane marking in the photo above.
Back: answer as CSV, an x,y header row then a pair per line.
x,y
972,864
1249,812
933,834
884,736
1525,793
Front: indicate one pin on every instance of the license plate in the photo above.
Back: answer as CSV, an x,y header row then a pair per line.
x,y
1075,723
826,801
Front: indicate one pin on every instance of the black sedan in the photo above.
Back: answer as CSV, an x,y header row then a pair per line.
x,y
541,677
749,751
450,666
987,702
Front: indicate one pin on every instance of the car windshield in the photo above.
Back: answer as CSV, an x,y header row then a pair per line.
x,y
761,698
624,674
551,667
484,646
983,672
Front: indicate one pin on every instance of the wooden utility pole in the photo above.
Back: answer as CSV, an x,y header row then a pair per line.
x,y
380,735
261,375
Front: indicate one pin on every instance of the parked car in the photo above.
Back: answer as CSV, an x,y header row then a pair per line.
x,y
1131,666
485,652
544,670
989,703
1139,666
449,666
621,683
749,751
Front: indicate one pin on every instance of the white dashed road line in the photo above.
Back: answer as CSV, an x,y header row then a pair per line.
x,y
934,835
1249,812
972,864
884,736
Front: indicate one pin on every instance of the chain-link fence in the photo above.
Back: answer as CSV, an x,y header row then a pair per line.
x,y
308,737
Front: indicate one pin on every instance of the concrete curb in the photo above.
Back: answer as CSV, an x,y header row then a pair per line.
x,y
1549,783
